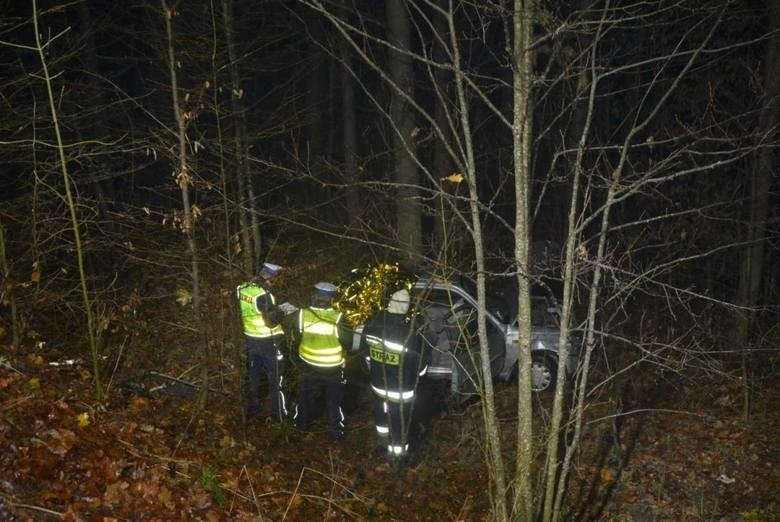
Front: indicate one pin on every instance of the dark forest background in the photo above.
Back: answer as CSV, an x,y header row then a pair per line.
x,y
171,148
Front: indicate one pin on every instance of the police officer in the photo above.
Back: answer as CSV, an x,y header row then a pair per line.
x,y
323,337
264,338
398,362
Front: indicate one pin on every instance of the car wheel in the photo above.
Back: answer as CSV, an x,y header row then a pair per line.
x,y
543,373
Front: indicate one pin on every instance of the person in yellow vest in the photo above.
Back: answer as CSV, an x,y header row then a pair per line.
x,y
264,337
324,334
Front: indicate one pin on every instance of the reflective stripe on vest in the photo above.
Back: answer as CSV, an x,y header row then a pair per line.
x,y
320,344
254,324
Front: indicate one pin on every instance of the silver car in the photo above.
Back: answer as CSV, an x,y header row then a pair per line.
x,y
449,320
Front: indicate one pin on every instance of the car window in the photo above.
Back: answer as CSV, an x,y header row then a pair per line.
x,y
438,297
499,308
540,313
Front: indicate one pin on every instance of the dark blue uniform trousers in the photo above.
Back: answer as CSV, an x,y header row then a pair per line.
x,y
394,424
312,379
264,357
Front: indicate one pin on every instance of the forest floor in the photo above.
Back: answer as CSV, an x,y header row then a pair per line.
x,y
143,456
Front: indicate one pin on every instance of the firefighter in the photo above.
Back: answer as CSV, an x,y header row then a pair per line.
x,y
398,361
323,335
264,337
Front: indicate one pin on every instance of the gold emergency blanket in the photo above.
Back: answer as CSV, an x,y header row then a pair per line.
x,y
368,290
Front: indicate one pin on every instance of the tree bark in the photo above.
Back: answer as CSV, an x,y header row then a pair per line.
x,y
350,134
248,222
406,175
7,290
495,461
523,58
448,230
749,290
317,99
183,179
69,198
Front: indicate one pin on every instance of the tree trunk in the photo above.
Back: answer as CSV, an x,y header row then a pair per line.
x,y
99,124
583,116
317,99
248,222
7,291
71,202
220,142
749,290
523,58
448,229
407,177
183,180
350,134
494,458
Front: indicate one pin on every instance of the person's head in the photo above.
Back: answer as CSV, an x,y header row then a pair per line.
x,y
268,273
399,302
323,295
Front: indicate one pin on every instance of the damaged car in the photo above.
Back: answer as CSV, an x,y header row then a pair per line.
x,y
448,315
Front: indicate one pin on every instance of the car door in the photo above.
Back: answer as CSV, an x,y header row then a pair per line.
x,y
452,321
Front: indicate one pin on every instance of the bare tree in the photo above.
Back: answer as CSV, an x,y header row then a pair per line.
x,y
92,333
351,173
248,217
523,61
752,269
7,291
184,177
400,70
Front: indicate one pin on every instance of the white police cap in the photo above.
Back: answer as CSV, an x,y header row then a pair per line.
x,y
325,289
270,270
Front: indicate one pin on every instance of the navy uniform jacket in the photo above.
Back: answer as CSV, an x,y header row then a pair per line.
x,y
398,358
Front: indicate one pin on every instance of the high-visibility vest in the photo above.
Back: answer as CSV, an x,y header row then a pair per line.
x,y
254,324
320,344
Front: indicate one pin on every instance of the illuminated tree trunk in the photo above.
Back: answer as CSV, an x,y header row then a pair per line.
x,y
524,11
71,202
183,177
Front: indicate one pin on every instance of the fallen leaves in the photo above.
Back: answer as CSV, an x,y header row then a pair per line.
x,y
141,459
34,385
115,494
82,420
35,360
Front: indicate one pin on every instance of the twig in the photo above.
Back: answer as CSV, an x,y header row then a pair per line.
x,y
132,450
292,497
245,471
137,453
186,383
17,505
464,510
116,365
179,325
5,364
15,402
644,410
330,501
